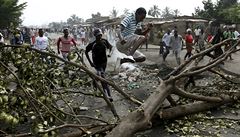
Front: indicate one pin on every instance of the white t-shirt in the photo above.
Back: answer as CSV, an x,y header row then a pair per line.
x,y
41,43
236,34
166,38
1,39
197,32
82,34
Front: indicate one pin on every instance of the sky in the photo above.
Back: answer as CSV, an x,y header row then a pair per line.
x,y
42,12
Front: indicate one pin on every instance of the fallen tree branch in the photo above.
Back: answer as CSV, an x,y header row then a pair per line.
x,y
203,53
59,127
210,65
195,107
140,119
216,118
73,91
90,73
93,131
223,76
80,116
182,93
109,103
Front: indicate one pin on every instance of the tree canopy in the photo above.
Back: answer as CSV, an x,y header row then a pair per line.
x,y
113,13
10,12
164,13
154,11
225,11
74,19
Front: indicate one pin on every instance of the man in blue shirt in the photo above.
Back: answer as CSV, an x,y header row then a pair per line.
x,y
129,41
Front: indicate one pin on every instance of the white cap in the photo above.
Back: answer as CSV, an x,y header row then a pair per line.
x,y
189,30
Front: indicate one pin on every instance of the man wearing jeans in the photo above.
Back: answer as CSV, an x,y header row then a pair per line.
x,y
99,48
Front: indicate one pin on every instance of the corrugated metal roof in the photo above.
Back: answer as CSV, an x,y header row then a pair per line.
x,y
178,20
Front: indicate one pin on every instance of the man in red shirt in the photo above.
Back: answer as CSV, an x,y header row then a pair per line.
x,y
189,43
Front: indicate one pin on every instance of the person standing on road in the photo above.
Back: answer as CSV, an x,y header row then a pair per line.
x,y
227,33
67,42
99,57
83,37
41,42
176,45
197,33
201,41
129,42
189,43
166,39
217,39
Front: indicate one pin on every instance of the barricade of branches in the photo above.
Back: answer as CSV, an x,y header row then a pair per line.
x,y
141,118
32,84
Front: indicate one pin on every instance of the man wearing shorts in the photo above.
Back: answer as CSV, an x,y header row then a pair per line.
x,y
129,42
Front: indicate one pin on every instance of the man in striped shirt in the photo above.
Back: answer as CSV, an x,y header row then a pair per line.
x,y
129,41
65,43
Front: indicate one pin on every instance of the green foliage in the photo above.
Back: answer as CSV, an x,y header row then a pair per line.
x,y
74,19
10,12
225,11
231,14
27,82
223,4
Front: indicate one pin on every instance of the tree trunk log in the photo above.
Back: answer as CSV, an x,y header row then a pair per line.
x,y
183,110
140,119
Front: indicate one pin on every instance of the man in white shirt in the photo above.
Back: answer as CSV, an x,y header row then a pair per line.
x,y
166,39
175,43
197,32
83,36
236,34
41,42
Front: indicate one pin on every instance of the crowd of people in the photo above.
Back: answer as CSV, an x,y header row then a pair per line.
x,y
127,38
198,40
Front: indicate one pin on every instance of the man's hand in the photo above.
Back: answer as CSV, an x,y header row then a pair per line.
x,y
150,26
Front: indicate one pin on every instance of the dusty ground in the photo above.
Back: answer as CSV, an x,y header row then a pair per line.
x,y
222,121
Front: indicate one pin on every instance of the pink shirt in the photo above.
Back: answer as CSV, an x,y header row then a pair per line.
x,y
67,43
